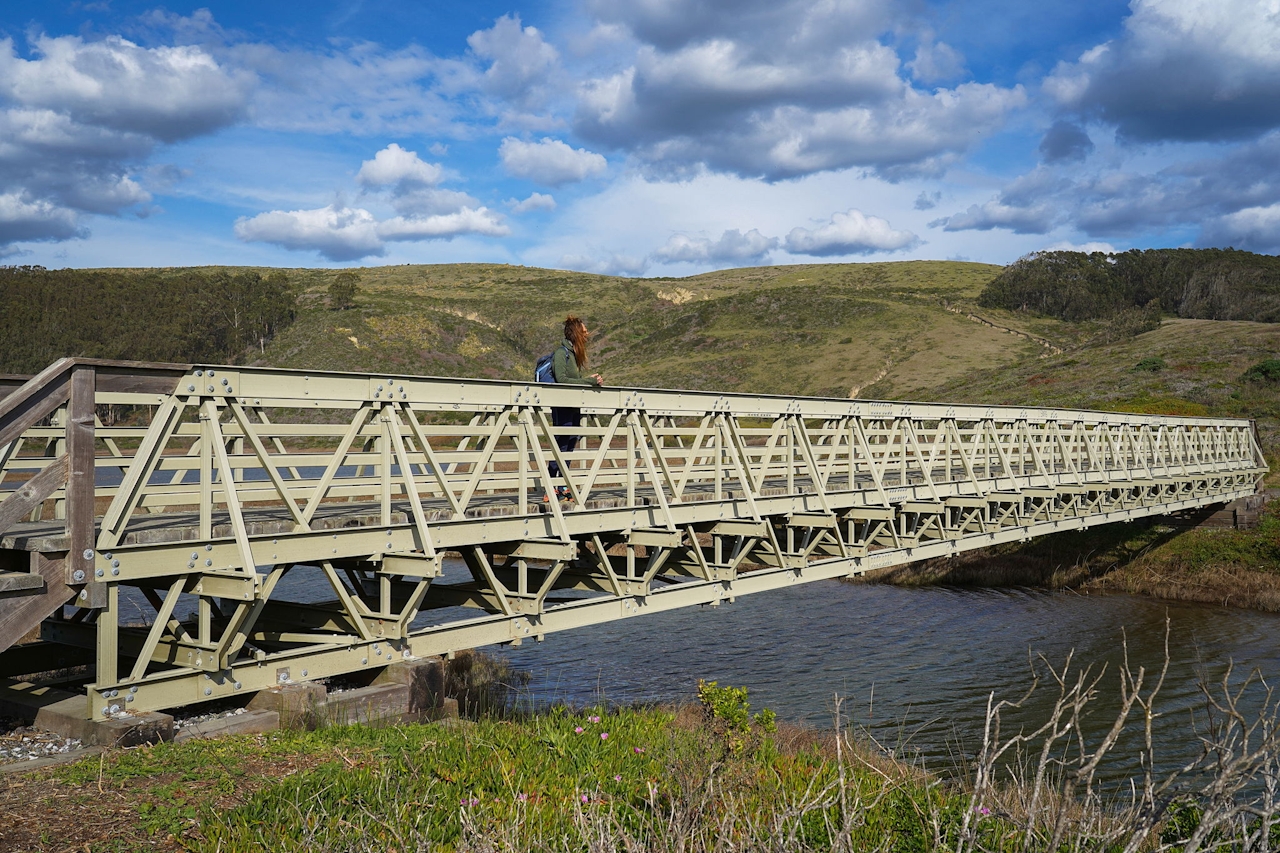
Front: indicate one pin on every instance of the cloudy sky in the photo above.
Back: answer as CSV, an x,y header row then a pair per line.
x,y
638,137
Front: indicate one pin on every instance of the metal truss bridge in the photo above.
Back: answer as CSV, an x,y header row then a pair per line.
x,y
221,489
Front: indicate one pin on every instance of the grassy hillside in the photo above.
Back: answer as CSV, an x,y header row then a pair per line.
x,y
913,330
813,329
1188,367
909,330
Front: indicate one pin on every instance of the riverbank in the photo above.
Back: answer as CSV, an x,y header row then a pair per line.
x,y
647,779
1237,568
705,777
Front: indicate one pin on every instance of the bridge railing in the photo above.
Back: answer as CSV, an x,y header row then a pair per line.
x,y
215,482
264,432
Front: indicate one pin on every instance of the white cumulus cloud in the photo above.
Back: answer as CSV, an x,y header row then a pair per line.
x,y
781,89
1020,219
394,166
1254,229
167,93
443,226
612,263
549,162
535,201
24,219
394,178
79,118
733,246
1088,248
337,233
936,62
1181,70
342,233
850,233
521,60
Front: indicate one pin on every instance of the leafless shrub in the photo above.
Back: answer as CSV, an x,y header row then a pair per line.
x,y
1224,797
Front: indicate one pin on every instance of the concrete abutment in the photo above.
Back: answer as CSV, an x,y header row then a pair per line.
x,y
407,691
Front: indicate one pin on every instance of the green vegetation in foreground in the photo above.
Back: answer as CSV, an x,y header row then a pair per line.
x,y
711,777
643,779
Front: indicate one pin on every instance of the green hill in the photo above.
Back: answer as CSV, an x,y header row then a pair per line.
x,y
908,330
895,331
916,330
815,329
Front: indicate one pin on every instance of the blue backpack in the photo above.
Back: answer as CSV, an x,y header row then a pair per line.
x,y
542,371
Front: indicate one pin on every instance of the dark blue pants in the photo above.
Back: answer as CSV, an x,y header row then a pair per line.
x,y
566,443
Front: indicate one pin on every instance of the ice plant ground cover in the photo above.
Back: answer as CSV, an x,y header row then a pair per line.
x,y
559,780
707,777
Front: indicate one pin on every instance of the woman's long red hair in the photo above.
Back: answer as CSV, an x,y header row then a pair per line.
x,y
576,332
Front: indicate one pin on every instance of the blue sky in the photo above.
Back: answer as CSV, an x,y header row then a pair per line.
x,y
636,137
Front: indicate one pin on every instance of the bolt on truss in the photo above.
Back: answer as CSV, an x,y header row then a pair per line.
x,y
224,487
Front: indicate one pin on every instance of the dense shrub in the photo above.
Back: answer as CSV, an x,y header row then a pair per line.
x,y
1211,284
1264,371
1151,364
154,315
342,291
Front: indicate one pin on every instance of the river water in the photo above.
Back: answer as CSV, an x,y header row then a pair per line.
x,y
915,667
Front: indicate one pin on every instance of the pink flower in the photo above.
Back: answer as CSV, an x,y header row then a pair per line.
x,y
577,730
584,798
524,798
593,719
638,750
617,778
604,736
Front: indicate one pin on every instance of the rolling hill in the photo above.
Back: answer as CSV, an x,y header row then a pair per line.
x,y
912,330
907,331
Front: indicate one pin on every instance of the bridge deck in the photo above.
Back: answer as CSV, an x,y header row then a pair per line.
x,y
225,480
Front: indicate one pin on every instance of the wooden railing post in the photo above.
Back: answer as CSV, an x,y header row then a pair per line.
x,y
80,481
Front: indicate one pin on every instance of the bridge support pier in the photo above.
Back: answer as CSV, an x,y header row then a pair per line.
x,y
66,718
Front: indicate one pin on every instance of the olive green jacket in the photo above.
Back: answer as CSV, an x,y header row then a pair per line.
x,y
564,367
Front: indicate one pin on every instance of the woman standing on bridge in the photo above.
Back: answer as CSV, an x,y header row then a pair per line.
x,y
567,364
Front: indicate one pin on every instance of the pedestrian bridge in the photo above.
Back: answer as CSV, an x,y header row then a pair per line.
x,y
160,521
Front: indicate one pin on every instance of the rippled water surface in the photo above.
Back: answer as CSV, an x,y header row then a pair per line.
x,y
915,666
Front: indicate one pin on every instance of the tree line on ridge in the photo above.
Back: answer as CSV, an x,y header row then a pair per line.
x,y
1210,284
180,315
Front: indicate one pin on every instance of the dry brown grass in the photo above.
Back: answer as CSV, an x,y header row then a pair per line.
x,y
1230,586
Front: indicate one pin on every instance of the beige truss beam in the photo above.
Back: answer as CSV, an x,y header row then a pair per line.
x,y
676,498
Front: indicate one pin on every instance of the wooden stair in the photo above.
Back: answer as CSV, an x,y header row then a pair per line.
x,y
28,598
